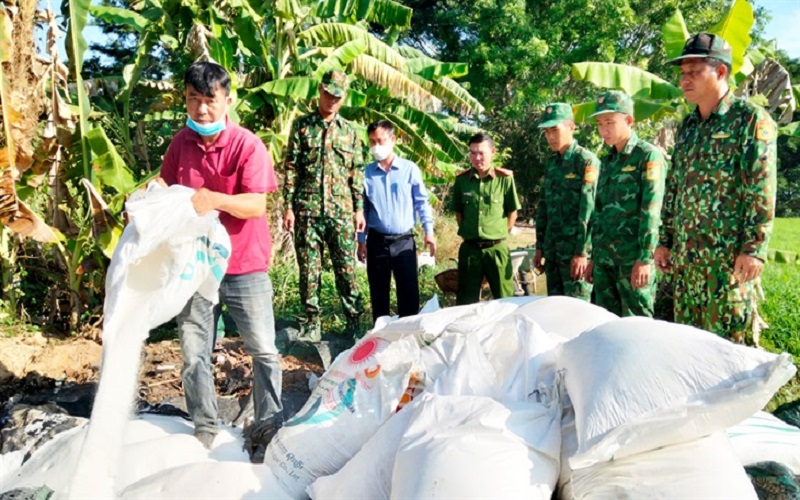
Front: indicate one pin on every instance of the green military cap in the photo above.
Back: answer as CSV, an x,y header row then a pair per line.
x,y
706,45
614,101
554,114
334,82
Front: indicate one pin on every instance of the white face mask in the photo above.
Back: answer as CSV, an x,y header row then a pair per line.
x,y
381,151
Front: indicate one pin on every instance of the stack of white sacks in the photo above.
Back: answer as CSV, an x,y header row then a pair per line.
x,y
515,399
502,400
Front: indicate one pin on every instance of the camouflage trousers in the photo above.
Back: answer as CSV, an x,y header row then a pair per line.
x,y
710,297
559,281
613,290
312,234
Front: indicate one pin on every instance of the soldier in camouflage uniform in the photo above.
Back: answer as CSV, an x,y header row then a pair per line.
x,y
720,200
627,212
322,191
566,202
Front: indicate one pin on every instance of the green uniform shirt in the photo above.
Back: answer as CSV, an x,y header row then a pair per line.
x,y
720,198
628,203
323,167
484,204
566,202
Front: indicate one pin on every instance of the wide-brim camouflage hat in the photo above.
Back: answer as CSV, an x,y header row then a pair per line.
x,y
613,101
334,82
554,114
705,45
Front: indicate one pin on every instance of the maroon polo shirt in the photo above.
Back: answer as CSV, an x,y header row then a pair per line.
x,y
238,162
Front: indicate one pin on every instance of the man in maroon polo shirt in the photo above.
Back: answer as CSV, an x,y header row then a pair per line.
x,y
232,171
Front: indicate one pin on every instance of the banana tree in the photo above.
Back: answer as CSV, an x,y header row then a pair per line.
x,y
278,51
656,99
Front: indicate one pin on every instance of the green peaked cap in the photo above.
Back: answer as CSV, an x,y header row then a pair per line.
x,y
614,101
554,114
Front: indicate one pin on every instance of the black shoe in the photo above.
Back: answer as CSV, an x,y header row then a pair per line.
x,y
256,440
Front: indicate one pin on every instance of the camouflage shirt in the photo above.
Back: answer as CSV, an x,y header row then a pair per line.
x,y
566,202
484,204
628,203
720,198
323,168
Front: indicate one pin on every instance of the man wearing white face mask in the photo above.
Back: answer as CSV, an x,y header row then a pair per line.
x,y
232,171
393,192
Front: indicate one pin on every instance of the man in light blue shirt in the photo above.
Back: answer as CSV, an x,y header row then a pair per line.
x,y
393,192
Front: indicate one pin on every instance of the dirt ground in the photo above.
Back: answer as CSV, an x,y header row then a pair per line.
x,y
30,362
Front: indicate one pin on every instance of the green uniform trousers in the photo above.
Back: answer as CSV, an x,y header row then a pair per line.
x,y
312,234
709,297
613,290
559,281
475,263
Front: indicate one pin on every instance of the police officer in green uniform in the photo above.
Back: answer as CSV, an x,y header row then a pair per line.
x,y
720,201
627,213
322,192
566,202
485,201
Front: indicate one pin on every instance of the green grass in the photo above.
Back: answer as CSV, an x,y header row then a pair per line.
x,y
786,235
781,308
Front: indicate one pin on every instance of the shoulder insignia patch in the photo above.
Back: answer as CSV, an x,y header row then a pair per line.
x,y
765,130
570,176
504,172
590,174
720,135
653,171
629,168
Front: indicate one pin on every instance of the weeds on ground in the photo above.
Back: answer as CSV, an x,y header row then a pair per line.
x,y
782,312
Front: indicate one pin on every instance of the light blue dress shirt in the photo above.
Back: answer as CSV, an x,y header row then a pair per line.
x,y
391,198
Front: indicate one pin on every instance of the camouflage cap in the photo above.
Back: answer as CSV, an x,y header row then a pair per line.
x,y
554,114
704,45
334,82
614,101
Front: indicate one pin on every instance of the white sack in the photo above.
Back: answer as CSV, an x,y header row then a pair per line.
x,y
368,475
474,447
165,254
209,480
459,319
148,444
569,445
701,469
763,438
637,384
566,316
361,390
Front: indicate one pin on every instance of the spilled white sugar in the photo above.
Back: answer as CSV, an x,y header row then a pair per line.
x,y
165,255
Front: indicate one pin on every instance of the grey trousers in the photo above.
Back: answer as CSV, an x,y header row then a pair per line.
x,y
249,301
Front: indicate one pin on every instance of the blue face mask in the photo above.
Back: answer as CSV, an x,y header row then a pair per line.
x,y
206,129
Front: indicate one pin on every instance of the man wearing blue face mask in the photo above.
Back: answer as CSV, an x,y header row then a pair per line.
x,y
232,171
393,192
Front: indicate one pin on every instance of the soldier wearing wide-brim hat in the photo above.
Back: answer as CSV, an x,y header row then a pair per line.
x,y
720,200
322,191
566,203
627,212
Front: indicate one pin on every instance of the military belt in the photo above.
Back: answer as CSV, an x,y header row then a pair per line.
x,y
484,243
